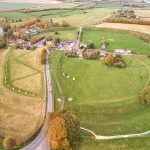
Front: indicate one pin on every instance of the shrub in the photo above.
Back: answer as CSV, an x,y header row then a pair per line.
x,y
63,130
36,39
108,59
145,95
119,64
90,55
91,45
3,42
65,24
9,142
128,21
27,23
18,46
116,61
71,54
56,32
43,55
56,40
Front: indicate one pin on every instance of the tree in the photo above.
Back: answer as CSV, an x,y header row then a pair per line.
x,y
43,55
65,24
72,125
57,134
108,59
9,142
91,45
3,42
56,40
145,95
64,129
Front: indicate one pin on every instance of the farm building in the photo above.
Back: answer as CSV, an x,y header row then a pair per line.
x,y
72,47
82,45
32,31
123,52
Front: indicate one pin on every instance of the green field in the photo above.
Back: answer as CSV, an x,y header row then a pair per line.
x,y
17,5
69,35
15,15
49,12
116,39
105,99
88,19
1,18
127,144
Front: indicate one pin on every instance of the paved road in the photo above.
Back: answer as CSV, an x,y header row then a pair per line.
x,y
78,41
41,142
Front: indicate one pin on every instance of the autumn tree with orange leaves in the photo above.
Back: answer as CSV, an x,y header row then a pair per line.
x,y
63,131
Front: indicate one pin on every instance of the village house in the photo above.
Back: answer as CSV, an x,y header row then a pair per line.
x,y
72,47
32,31
83,45
123,52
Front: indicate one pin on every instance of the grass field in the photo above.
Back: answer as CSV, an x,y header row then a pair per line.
x,y
65,13
105,99
20,116
17,5
1,18
127,144
89,18
69,35
15,15
117,40
23,69
48,12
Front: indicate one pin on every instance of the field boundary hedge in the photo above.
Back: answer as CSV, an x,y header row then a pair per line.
x,y
127,21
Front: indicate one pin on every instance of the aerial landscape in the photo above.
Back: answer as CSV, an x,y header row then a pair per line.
x,y
75,75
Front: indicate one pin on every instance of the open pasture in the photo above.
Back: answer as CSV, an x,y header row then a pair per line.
x,y
93,16
106,99
48,12
64,13
69,35
118,39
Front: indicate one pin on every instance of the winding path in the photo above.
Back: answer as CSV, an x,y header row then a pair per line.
x,y
41,142
100,137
